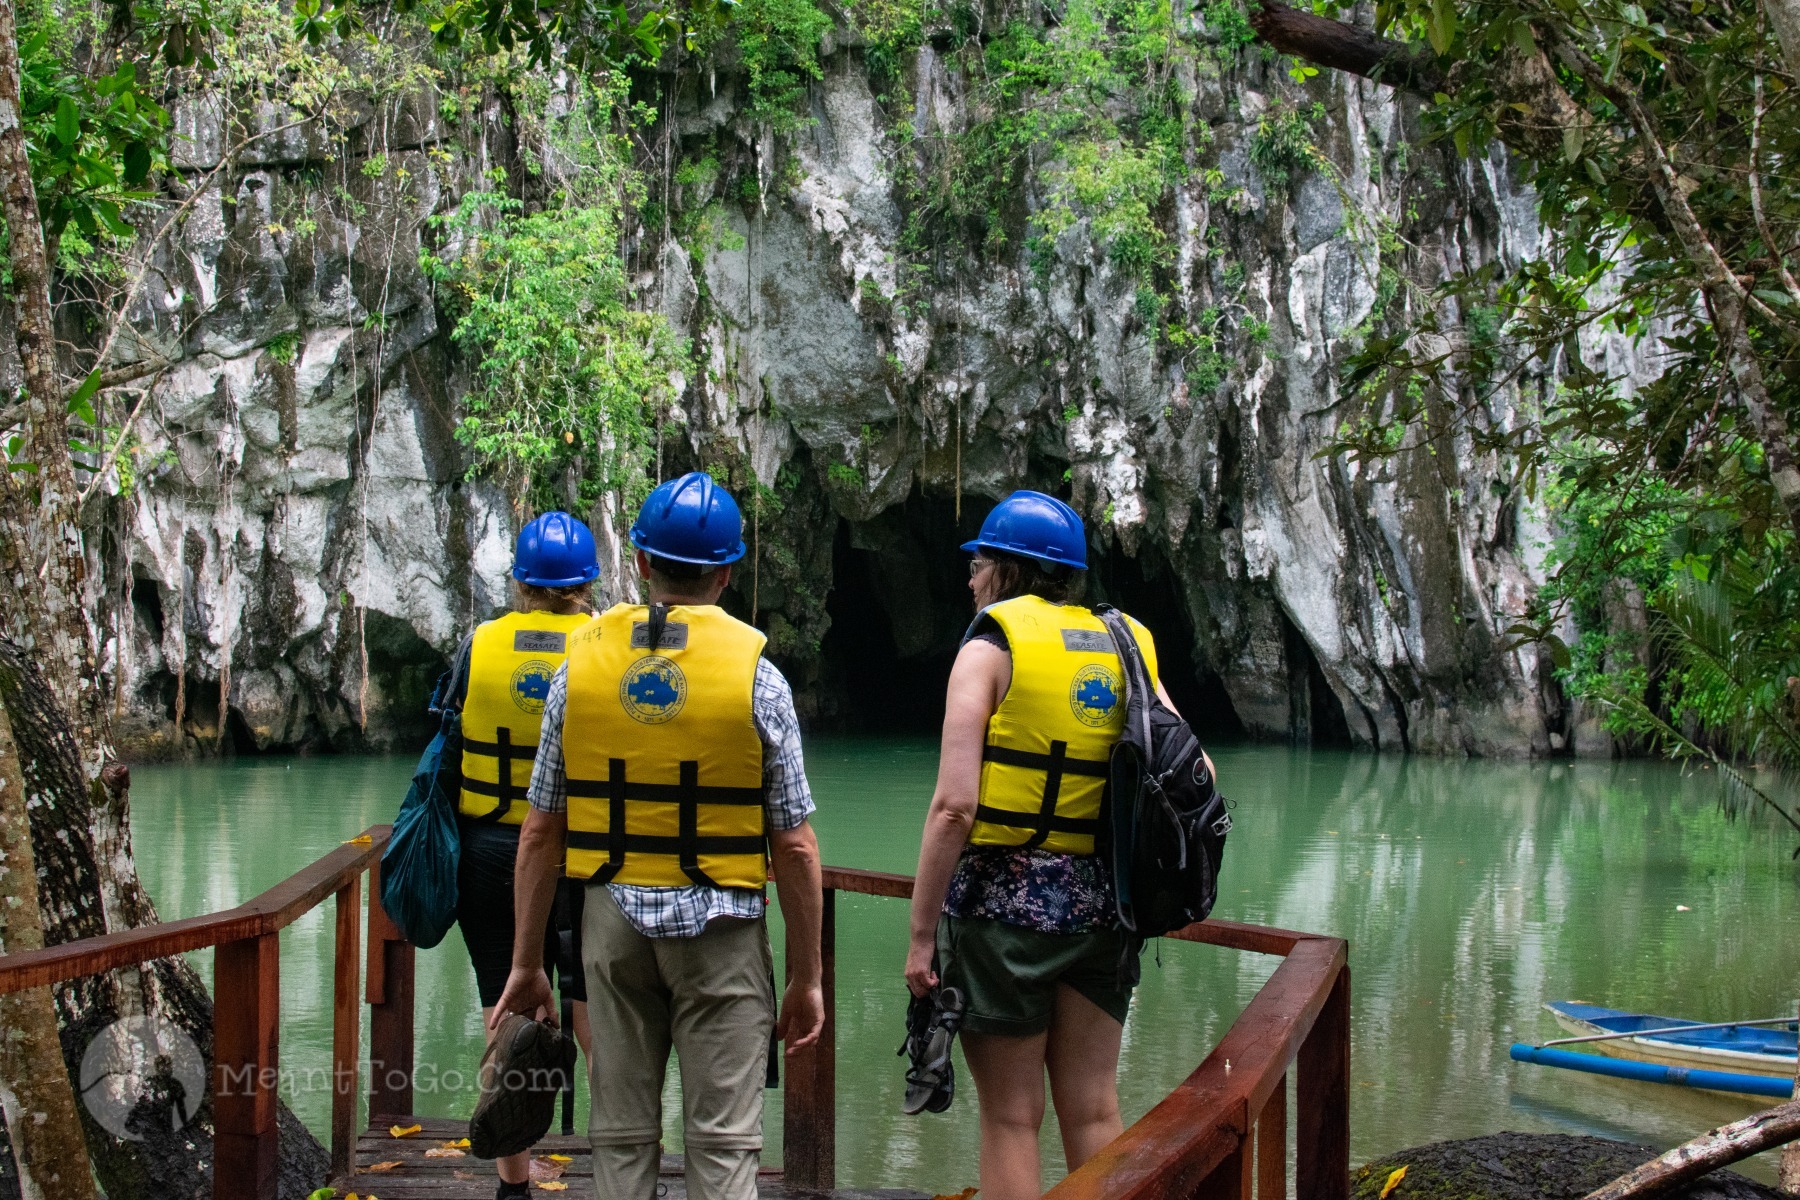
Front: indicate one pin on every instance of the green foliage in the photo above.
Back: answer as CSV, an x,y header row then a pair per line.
x,y
1282,145
93,141
570,379
779,40
1229,26
844,475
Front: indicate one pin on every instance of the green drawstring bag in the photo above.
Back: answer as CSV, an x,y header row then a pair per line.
x,y
418,868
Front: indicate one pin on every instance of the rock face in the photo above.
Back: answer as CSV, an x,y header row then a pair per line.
x,y
303,530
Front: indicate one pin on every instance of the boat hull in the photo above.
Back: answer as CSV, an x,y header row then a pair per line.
x,y
1755,1052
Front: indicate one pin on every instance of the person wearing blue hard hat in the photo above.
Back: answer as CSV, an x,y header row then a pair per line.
x,y
1014,938
501,680
670,770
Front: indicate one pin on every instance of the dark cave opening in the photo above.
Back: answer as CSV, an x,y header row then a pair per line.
x,y
899,603
1316,714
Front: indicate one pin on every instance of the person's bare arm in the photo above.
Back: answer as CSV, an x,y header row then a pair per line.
x,y
977,682
542,840
795,854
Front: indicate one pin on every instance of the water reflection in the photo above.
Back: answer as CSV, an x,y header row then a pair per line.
x,y
1471,892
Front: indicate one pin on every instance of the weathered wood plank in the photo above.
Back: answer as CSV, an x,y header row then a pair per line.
x,y
246,1029
346,1026
1322,1100
809,1094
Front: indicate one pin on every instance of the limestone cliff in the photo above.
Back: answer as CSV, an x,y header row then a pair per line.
x,y
303,529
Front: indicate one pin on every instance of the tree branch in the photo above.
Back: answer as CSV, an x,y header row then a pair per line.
x,y
1345,47
1711,1150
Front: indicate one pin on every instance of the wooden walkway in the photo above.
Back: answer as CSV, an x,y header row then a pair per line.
x,y
421,1175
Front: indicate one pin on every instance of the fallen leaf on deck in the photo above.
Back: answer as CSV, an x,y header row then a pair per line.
x,y
397,1131
324,1194
561,1158
458,1144
962,1195
1393,1181
543,1170
553,1187
382,1166
444,1152
363,840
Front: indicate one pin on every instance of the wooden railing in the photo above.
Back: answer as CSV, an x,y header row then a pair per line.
x,y
1222,1132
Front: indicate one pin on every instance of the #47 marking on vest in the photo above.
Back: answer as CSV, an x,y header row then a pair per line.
x,y
539,641
1087,640
674,636
653,690
1094,695
530,685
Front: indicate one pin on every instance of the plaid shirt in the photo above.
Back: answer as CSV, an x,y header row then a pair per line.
x,y
684,911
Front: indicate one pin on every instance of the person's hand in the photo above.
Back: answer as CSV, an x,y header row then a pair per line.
x,y
527,991
920,978
802,1015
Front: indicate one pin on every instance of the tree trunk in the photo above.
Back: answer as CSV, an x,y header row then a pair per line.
x,y
40,531
1784,18
35,1095
70,863
1711,1150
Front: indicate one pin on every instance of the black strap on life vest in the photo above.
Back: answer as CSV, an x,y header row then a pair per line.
x,y
504,792
687,845
1054,765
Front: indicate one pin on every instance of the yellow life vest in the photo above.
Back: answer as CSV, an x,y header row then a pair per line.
x,y
1043,772
511,660
664,762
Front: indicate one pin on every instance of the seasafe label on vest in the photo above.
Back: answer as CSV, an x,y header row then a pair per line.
x,y
674,636
1087,641
539,641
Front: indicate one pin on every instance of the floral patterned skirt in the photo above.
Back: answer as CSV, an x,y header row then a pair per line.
x,y
1052,893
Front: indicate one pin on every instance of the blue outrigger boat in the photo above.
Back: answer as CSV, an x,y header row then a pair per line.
x,y
1747,1057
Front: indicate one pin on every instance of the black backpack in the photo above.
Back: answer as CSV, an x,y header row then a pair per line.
x,y
1168,821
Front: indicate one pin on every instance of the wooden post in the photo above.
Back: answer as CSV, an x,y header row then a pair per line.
x,y
809,1092
390,1012
1232,1179
346,1022
1271,1146
1322,1125
246,1022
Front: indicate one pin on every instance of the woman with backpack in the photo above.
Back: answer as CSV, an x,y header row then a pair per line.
x,y
1013,916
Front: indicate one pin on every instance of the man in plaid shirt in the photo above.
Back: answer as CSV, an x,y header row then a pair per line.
x,y
670,750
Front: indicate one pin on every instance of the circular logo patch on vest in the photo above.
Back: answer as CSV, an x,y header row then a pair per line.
x,y
531,685
1094,695
653,690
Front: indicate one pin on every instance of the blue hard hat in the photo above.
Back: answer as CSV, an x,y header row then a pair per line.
x,y
555,550
690,520
1036,526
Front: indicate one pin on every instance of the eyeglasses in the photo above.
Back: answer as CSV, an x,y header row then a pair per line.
x,y
978,564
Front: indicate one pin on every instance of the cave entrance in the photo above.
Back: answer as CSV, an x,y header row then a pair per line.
x,y
899,603
1315,714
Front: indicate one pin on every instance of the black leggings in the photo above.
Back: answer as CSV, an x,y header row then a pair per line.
x,y
484,909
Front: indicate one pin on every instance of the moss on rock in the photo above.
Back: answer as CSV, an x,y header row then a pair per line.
x,y
1529,1166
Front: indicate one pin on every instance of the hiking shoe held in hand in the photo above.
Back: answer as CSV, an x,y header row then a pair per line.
x,y
523,1070
932,1021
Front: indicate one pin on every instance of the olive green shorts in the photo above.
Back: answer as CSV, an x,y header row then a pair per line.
x,y
1008,974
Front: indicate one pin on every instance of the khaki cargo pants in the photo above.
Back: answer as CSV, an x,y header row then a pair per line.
x,y
712,999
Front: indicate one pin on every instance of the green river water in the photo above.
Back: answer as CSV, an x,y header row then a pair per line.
x,y
1470,892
